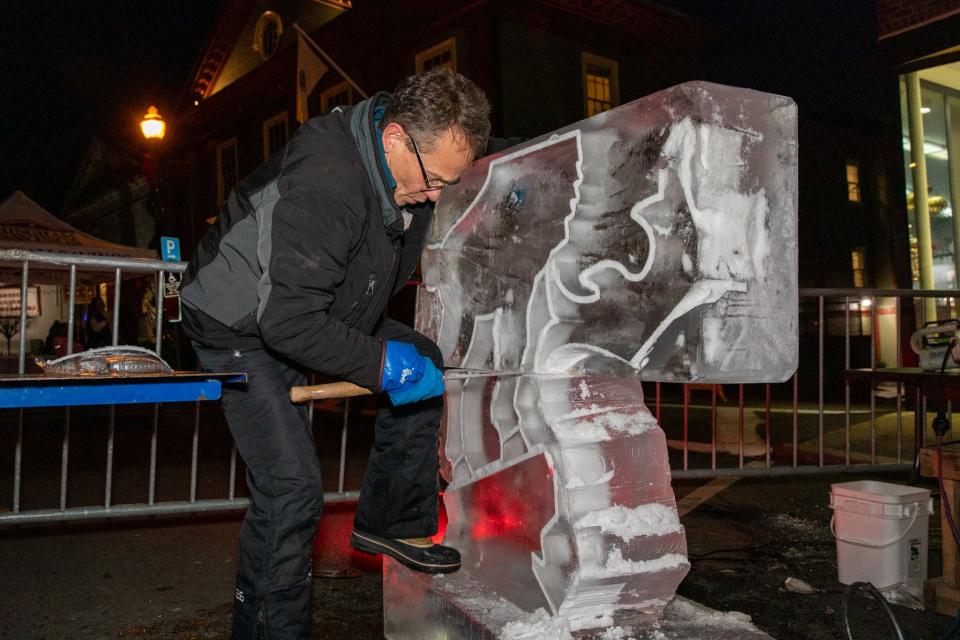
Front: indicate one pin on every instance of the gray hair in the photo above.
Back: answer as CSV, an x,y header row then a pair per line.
x,y
428,104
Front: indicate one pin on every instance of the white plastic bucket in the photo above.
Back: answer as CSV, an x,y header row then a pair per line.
x,y
882,533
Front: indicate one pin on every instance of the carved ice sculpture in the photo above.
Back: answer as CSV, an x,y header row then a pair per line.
x,y
656,241
571,510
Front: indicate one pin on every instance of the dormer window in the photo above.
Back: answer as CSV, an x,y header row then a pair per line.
x,y
266,36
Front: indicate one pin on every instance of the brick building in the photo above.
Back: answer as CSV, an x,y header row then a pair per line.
x,y
543,63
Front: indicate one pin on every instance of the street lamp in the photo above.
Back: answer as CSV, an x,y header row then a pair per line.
x,y
154,128
152,125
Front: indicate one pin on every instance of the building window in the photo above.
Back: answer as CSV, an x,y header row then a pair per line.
x,y
339,95
859,267
853,182
441,55
274,134
266,36
601,86
940,148
227,169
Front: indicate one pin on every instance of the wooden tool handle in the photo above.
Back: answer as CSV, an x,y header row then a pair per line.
x,y
326,391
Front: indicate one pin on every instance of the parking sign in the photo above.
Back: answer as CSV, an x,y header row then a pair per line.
x,y
170,248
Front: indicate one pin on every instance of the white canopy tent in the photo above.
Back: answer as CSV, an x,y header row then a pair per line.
x,y
25,226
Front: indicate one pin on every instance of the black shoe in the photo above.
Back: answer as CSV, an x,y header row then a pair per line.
x,y
434,558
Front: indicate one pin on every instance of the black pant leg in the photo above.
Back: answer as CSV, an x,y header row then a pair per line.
x,y
273,594
399,496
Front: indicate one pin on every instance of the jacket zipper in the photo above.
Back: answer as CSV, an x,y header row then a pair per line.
x,y
355,308
380,299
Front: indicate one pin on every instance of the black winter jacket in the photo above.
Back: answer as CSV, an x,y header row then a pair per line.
x,y
306,251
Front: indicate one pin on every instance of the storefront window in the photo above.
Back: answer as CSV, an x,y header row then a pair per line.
x,y
940,114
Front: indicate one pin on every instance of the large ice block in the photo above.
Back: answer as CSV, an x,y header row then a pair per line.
x,y
560,496
457,606
658,239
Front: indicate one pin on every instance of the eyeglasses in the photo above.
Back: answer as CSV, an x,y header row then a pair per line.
x,y
436,183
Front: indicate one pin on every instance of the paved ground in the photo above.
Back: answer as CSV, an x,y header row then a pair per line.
x,y
748,539
171,580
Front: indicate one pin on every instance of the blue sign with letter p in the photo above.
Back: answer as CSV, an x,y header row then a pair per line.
x,y
170,249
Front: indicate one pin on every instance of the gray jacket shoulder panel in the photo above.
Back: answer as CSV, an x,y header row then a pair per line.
x,y
300,260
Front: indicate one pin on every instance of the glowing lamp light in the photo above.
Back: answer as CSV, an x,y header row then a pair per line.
x,y
866,303
152,125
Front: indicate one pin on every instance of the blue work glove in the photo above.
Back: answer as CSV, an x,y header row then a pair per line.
x,y
407,376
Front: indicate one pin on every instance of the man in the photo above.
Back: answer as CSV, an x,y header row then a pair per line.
x,y
295,276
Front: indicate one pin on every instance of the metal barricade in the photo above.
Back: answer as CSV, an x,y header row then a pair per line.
x,y
826,431
15,514
801,426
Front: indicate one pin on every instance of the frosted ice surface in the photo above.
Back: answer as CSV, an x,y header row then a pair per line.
x,y
655,241
585,526
458,606
540,625
658,239
645,520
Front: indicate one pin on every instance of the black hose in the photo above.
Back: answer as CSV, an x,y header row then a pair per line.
x,y
945,505
915,473
943,367
944,501
875,593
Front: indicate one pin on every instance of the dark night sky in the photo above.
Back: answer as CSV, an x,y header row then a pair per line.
x,y
822,53
72,68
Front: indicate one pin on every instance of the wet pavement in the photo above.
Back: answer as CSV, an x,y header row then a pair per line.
x,y
169,579
172,580
748,539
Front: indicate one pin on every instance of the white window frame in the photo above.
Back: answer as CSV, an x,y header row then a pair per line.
x,y
335,90
269,124
587,59
222,191
423,56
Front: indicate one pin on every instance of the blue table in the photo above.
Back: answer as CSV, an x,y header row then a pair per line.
x,y
40,390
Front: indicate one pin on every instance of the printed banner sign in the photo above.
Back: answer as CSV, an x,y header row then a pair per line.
x,y
10,302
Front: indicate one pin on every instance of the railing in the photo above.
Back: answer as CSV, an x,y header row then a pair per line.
x,y
860,324
70,265
768,429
